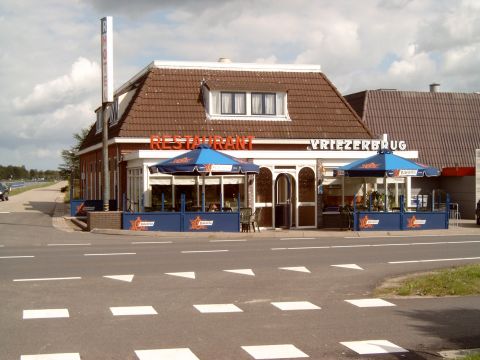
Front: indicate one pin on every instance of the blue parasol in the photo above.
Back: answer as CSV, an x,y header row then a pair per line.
x,y
386,164
203,161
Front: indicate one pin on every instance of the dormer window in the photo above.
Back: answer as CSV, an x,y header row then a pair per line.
x,y
263,104
233,103
245,105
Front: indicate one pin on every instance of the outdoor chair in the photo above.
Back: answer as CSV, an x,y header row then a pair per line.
x,y
255,218
245,217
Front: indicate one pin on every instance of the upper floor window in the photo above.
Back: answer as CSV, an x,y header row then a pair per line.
x,y
263,104
233,103
236,105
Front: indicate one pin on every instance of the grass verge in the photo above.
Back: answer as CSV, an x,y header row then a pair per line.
x,y
456,281
472,357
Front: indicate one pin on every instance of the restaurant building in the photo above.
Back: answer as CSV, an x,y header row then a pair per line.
x,y
288,119
442,126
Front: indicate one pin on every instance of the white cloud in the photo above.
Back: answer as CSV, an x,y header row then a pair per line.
x,y
83,79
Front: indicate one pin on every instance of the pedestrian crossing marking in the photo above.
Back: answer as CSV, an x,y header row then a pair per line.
x,y
217,308
62,356
45,313
166,354
370,302
295,305
368,347
133,310
284,351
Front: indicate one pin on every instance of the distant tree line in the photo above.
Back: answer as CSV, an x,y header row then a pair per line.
x,y
12,173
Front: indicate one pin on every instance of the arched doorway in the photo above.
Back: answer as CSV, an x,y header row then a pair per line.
x,y
285,201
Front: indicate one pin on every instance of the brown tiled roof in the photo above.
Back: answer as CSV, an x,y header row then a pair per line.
x,y
443,127
169,101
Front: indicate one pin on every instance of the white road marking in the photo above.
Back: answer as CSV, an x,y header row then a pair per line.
x,y
373,347
2,245
150,242
217,308
109,254
370,303
63,356
376,245
296,268
432,260
304,248
349,266
297,238
17,257
295,305
127,278
133,310
203,251
236,240
48,279
188,274
395,236
242,271
87,244
286,351
166,354
4,212
45,314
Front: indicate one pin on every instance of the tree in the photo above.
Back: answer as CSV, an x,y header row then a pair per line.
x,y
71,161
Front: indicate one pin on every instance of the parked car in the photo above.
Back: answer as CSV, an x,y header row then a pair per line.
x,y
4,191
478,212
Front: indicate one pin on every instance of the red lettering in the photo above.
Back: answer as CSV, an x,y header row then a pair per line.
x,y
187,142
217,142
240,143
195,142
229,143
250,141
177,143
154,142
165,145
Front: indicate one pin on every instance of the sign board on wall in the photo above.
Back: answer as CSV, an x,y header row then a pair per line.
x,y
107,58
356,144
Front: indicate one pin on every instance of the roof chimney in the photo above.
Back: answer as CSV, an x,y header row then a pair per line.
x,y
434,87
224,60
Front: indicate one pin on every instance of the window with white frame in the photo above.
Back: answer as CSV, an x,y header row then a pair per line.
x,y
263,104
236,105
233,103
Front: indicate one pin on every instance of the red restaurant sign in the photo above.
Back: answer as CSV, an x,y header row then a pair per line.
x,y
188,142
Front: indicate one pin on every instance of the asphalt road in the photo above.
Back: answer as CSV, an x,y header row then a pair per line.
x,y
115,297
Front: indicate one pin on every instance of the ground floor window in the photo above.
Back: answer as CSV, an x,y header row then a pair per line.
x,y
218,190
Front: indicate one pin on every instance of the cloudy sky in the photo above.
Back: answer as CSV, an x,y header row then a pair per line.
x,y
50,52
